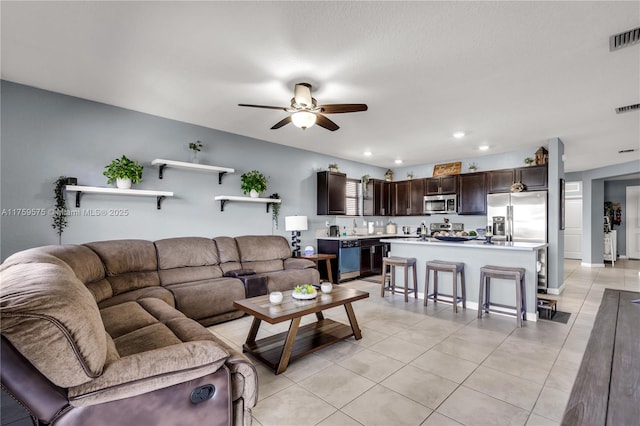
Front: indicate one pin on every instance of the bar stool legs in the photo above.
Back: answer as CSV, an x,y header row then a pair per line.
x,y
454,268
502,272
405,263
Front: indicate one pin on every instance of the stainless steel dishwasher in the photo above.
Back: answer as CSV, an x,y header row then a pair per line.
x,y
349,260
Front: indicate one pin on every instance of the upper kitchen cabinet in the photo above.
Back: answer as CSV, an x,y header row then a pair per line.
x,y
408,197
377,198
533,177
331,193
472,193
441,185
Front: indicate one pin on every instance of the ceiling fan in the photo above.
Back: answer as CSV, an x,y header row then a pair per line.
x,y
306,112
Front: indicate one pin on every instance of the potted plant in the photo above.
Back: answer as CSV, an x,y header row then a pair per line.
x,y
253,183
60,212
124,172
410,175
528,161
275,209
365,182
473,167
333,167
194,149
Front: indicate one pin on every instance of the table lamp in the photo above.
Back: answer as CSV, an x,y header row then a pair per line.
x,y
295,224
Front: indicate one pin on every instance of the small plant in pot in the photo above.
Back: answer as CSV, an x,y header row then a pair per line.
x,y
124,172
528,161
194,149
253,183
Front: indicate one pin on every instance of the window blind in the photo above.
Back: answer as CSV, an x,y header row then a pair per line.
x,y
353,197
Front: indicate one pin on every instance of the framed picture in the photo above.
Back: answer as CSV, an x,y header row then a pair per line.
x,y
562,196
447,169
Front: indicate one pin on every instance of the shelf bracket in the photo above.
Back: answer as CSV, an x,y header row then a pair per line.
x,y
160,171
268,205
222,203
159,199
220,174
78,194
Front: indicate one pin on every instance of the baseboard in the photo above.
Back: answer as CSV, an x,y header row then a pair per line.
x,y
531,316
556,291
592,265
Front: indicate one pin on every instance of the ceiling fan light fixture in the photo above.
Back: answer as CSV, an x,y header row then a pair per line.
x,y
303,119
302,95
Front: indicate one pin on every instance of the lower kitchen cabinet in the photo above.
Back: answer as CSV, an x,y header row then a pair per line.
x,y
372,251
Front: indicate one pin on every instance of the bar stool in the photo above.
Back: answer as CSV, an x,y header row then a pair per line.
x,y
441,266
402,262
517,274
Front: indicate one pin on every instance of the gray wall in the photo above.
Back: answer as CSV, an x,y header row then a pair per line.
x,y
45,135
616,192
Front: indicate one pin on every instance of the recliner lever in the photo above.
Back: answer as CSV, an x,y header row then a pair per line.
x,y
202,393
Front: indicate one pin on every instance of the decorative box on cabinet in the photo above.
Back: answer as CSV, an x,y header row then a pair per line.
x,y
331,193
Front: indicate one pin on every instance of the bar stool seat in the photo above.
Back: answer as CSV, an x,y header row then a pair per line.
x,y
442,266
401,262
506,273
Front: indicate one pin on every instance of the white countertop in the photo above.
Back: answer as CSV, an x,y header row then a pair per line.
x,y
478,244
360,237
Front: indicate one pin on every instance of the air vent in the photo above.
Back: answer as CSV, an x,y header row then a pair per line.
x,y
627,108
626,151
625,39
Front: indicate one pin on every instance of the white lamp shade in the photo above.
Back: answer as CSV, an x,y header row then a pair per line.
x,y
303,119
295,223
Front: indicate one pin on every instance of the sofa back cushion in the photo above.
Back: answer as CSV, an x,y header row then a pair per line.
x,y
187,259
263,253
129,264
228,253
52,319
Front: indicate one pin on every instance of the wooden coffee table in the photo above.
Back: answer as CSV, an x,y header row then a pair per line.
x,y
278,350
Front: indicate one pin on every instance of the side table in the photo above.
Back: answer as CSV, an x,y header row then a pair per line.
x,y
322,256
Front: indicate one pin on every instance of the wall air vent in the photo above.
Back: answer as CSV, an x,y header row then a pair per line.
x,y
628,108
626,151
625,39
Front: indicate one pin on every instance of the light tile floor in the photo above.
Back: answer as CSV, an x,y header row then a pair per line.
x,y
419,365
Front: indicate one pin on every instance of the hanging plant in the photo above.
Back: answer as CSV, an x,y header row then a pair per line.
x,y
275,209
60,212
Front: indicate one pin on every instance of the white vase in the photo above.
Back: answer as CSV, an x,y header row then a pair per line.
x,y
254,194
123,183
193,157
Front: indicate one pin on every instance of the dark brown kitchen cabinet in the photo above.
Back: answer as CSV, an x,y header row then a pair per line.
x,y
331,193
500,180
372,251
472,193
377,198
533,177
408,197
441,185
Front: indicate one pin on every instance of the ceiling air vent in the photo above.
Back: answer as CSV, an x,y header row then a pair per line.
x,y
628,108
625,39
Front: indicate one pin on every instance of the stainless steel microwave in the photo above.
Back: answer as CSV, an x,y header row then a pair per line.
x,y
440,204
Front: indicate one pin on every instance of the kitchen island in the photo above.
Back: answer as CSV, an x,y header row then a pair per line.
x,y
475,254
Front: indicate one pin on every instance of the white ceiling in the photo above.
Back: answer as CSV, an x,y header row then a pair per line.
x,y
510,74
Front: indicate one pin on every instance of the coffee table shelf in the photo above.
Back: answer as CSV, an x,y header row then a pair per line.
x,y
310,338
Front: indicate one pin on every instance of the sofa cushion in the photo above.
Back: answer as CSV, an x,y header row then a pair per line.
x,y
160,293
50,317
228,253
207,298
187,259
254,248
129,264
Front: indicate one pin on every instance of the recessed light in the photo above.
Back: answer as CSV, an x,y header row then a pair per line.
x,y
483,147
458,135
398,161
368,153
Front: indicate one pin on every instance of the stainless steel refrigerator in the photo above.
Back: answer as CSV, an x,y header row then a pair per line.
x,y
525,220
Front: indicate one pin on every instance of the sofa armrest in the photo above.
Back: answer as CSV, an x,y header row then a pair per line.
x,y
298,263
147,371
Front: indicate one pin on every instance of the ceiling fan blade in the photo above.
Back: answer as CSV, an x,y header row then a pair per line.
x,y
340,108
323,121
281,123
263,106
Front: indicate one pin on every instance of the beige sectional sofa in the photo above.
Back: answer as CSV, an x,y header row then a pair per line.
x,y
112,332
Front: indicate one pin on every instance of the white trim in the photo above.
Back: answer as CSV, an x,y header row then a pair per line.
x,y
592,265
556,291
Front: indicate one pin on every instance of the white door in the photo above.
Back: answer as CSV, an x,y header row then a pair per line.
x,y
633,222
573,228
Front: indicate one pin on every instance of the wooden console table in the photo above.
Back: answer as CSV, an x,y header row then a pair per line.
x,y
606,390
326,257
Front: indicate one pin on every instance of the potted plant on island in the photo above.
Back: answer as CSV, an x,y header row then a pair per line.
x,y
253,183
528,161
124,172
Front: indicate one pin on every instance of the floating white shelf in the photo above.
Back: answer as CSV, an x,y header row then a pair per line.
x,y
191,166
225,198
79,189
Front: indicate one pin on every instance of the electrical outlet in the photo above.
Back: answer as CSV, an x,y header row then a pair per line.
x,y
326,224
